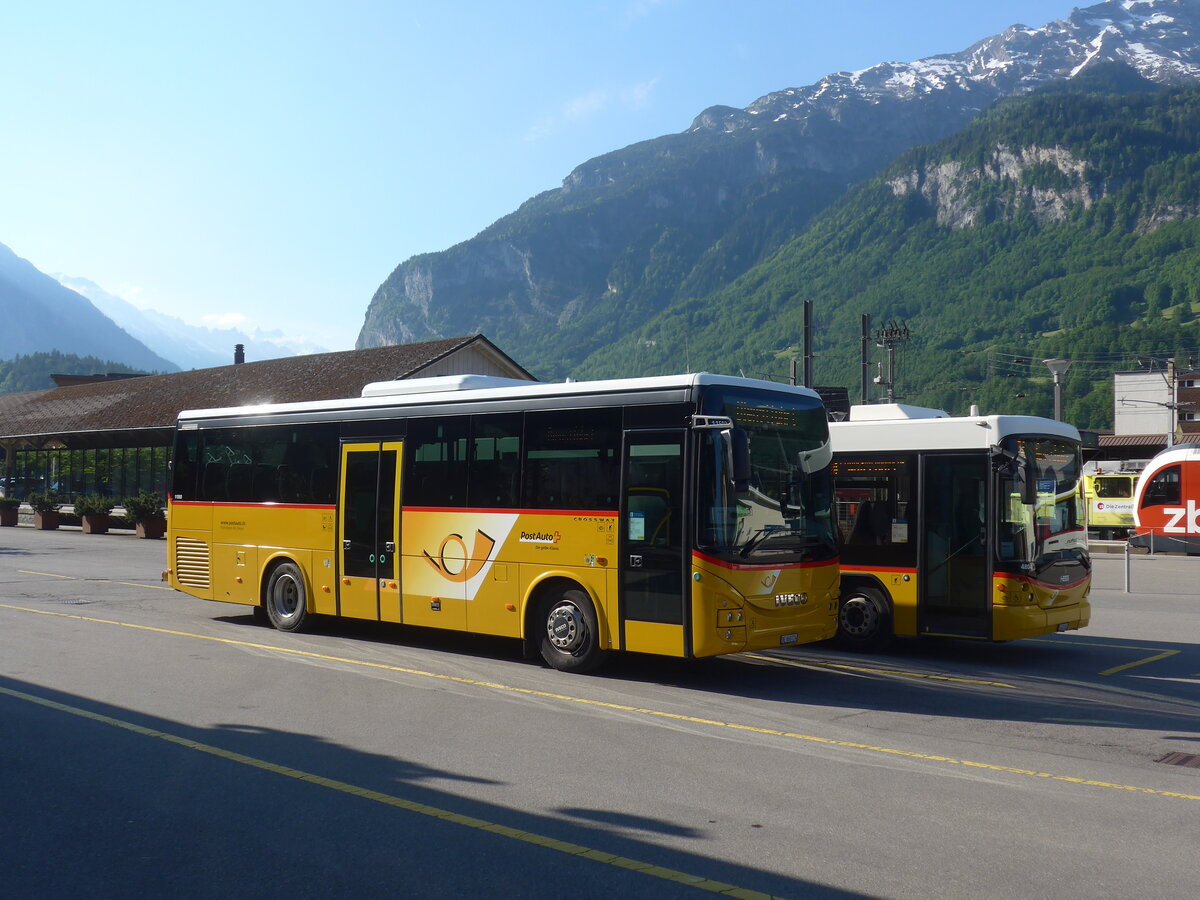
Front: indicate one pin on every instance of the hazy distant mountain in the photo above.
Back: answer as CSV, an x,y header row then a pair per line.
x,y
37,314
188,346
629,234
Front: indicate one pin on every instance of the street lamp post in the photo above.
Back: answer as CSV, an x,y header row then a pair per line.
x,y
1058,368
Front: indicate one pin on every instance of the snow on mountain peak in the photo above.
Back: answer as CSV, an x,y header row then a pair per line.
x,y
1152,36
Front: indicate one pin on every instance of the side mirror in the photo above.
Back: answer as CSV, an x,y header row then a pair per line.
x,y
1028,484
737,442
1022,472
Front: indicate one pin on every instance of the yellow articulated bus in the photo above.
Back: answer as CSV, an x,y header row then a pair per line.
x,y
958,526
686,516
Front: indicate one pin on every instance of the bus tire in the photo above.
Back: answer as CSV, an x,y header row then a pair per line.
x,y
864,620
569,637
286,599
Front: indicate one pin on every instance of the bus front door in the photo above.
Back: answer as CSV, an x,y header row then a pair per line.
x,y
955,569
368,506
652,544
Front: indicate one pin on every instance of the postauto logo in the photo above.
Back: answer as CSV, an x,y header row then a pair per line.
x,y
540,537
452,554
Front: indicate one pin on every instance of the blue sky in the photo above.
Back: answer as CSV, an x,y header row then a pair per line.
x,y
270,163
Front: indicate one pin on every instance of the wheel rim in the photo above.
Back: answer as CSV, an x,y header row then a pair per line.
x,y
859,617
285,595
566,628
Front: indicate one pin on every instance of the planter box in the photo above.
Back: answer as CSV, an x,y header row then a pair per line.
x,y
95,523
151,529
8,517
46,521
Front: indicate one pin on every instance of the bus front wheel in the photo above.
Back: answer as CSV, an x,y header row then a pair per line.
x,y
570,638
864,620
286,599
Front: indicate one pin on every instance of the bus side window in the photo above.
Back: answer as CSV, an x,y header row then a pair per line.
x,y
1163,488
571,459
437,466
184,469
495,479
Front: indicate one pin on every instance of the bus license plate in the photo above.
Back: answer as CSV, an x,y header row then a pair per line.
x,y
788,639
1063,626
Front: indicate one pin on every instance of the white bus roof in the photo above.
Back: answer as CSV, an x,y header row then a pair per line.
x,y
460,388
892,427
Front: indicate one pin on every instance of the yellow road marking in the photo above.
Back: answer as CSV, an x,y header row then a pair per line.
x,y
898,673
620,707
424,809
153,587
1141,662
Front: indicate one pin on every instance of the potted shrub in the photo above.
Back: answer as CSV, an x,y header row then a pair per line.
x,y
146,512
45,510
93,511
8,511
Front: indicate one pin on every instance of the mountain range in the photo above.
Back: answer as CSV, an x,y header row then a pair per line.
x,y
617,270
188,346
82,324
38,313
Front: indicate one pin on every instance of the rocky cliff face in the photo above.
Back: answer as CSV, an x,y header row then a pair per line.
x,y
676,217
952,189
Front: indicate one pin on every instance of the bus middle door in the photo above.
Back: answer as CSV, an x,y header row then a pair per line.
x,y
955,563
652,544
368,502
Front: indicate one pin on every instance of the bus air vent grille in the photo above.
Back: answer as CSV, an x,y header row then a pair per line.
x,y
192,563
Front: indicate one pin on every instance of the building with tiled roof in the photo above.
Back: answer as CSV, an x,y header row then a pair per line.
x,y
111,435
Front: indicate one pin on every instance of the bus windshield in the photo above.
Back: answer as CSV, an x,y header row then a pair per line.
x,y
1041,506
782,514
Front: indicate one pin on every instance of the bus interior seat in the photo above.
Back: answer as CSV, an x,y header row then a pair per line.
x,y
291,484
321,484
214,481
266,484
862,532
239,481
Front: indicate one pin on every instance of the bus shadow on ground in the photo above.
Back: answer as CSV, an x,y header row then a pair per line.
x,y
955,679
268,812
1034,681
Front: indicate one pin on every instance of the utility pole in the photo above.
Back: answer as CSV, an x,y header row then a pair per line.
x,y
887,338
1173,387
865,356
808,343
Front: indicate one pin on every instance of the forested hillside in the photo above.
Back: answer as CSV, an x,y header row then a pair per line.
x,y
32,372
1061,224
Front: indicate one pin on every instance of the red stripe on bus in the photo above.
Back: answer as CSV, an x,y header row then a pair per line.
x,y
272,503
593,513
862,570
761,567
1058,587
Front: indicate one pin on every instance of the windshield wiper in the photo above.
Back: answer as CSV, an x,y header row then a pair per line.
x,y
759,536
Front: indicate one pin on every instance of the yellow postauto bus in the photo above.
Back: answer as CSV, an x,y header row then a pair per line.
x,y
687,516
967,526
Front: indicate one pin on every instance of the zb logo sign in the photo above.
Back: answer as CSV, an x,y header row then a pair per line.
x,y
458,566
1182,520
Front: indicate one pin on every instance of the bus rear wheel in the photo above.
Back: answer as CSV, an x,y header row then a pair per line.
x,y
570,637
864,620
286,598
